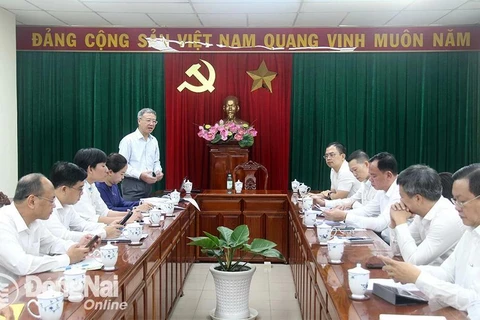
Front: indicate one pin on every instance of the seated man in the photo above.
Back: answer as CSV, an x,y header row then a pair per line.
x,y
436,226
27,246
455,282
65,222
231,107
375,215
91,207
358,164
343,182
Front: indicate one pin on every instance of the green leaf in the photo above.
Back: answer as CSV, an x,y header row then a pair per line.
x,y
203,242
217,138
225,234
273,253
247,141
259,245
240,236
213,253
213,238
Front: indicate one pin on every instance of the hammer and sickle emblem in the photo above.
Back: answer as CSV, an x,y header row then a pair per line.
x,y
207,84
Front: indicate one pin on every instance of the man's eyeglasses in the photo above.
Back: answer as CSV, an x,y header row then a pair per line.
x,y
461,204
329,155
46,199
80,189
153,121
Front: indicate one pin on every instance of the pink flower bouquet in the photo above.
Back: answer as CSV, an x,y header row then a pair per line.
x,y
222,132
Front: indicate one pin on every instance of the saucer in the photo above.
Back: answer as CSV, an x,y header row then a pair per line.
x,y
139,243
335,261
154,225
357,298
109,269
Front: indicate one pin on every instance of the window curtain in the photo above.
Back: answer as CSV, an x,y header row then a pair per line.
x,y
68,101
422,107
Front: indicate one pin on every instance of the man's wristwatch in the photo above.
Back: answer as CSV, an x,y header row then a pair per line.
x,y
329,195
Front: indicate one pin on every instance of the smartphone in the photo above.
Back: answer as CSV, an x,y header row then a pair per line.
x,y
92,241
127,216
359,240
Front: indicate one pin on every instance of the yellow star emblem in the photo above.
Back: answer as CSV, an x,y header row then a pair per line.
x,y
262,77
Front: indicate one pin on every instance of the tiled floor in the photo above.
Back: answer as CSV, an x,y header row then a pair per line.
x,y
272,294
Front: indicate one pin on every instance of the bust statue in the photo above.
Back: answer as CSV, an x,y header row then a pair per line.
x,y
231,107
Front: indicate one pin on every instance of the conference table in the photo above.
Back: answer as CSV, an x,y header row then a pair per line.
x,y
150,277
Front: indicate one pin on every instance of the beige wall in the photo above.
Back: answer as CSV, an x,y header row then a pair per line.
x,y
8,104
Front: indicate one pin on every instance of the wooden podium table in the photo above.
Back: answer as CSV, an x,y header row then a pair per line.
x,y
223,159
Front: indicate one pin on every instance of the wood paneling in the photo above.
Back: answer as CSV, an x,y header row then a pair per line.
x,y
223,159
265,213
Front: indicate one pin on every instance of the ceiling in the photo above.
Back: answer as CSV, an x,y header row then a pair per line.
x,y
244,13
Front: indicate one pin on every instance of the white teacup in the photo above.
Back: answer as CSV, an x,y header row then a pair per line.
x,y
175,196
156,217
133,231
324,233
309,218
187,185
303,189
335,250
238,186
108,255
294,198
307,203
358,281
74,284
50,305
167,207
295,185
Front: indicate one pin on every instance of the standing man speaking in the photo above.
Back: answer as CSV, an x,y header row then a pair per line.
x,y
140,148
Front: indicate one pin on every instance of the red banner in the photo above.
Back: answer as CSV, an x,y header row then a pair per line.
x,y
249,40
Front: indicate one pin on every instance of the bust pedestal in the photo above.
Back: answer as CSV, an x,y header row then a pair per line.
x,y
224,158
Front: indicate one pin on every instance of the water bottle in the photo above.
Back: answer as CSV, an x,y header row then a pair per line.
x,y
229,183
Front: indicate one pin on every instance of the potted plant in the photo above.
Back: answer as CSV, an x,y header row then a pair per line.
x,y
232,278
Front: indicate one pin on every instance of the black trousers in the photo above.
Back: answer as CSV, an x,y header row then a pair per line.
x,y
134,189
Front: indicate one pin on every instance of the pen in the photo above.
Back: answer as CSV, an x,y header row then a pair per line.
x,y
81,266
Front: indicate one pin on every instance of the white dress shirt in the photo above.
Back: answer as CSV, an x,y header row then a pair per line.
x,y
456,282
344,180
91,205
26,249
67,224
375,215
431,239
363,195
142,155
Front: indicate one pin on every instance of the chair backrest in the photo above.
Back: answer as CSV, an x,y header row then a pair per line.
x,y
4,201
249,169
